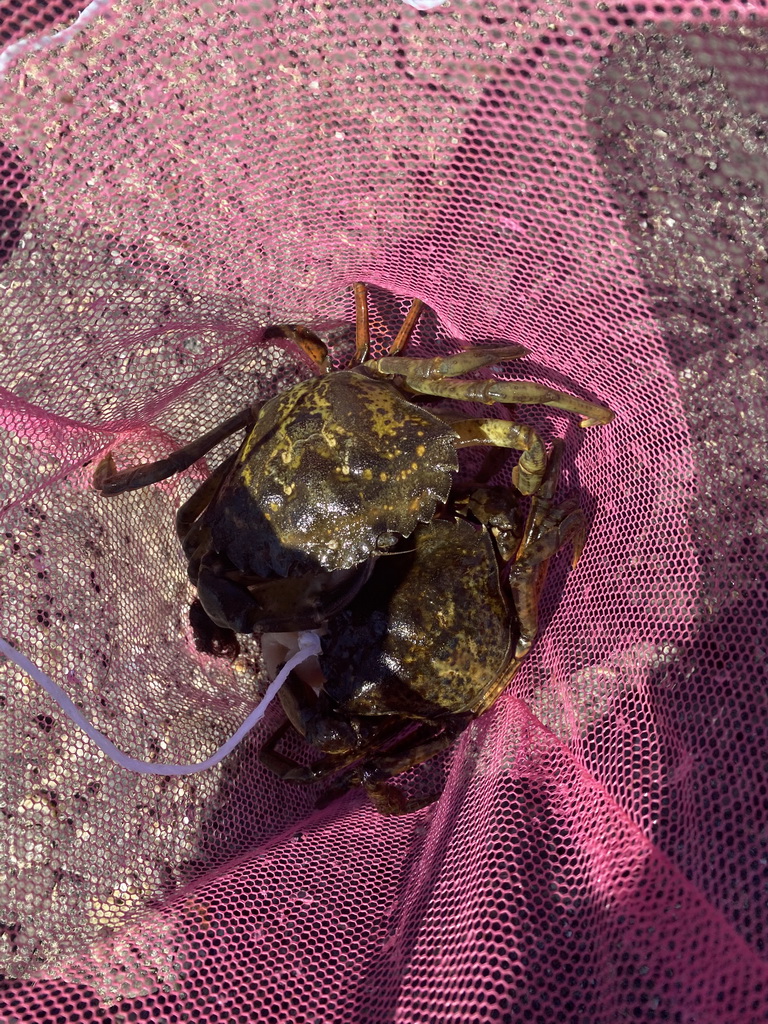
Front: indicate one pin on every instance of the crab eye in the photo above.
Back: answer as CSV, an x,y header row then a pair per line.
x,y
386,541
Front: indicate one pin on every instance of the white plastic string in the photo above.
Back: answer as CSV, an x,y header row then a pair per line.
x,y
59,37
48,39
424,5
309,645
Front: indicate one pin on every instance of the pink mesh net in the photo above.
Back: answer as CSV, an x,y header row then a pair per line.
x,y
588,179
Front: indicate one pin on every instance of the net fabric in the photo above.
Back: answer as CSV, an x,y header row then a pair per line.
x,y
584,179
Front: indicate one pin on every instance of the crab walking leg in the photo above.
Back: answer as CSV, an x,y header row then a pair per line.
x,y
286,768
416,369
195,505
291,771
413,749
362,327
529,471
541,500
564,524
107,480
544,522
512,392
406,328
527,575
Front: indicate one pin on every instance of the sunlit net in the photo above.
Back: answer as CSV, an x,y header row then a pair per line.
x,y
587,179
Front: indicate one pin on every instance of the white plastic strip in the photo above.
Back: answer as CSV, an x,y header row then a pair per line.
x,y
309,645
97,7
34,43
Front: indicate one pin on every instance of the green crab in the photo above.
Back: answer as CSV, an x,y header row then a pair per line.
x,y
430,642
332,473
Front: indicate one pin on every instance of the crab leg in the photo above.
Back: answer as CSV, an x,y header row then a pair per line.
x,y
107,480
512,392
542,498
406,328
413,749
527,575
529,472
544,522
389,798
286,768
362,328
546,530
563,524
415,369
195,505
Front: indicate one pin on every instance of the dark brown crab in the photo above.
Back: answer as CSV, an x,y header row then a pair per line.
x,y
430,642
332,472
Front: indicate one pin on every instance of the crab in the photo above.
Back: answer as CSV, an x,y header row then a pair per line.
x,y
333,472
429,643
